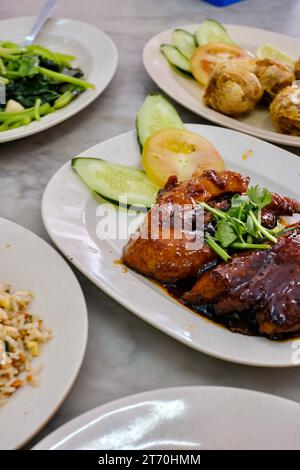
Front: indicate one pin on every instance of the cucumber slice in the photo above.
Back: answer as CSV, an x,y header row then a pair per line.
x,y
184,41
175,57
267,51
113,181
211,31
156,114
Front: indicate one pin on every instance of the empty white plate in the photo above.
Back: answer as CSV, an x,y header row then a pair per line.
x,y
190,418
71,216
29,263
189,93
95,53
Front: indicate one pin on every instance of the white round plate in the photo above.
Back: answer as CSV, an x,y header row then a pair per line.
x,y
27,262
95,54
190,418
70,215
189,93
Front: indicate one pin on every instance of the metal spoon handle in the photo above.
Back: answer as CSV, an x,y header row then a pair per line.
x,y
40,21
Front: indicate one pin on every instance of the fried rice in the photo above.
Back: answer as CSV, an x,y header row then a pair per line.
x,y
21,335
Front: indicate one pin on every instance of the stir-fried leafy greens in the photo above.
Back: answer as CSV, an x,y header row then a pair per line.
x,y
39,80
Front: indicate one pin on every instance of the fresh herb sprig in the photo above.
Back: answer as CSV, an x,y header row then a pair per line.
x,y
240,226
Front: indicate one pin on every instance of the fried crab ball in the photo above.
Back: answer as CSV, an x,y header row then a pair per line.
x,y
285,110
233,89
274,75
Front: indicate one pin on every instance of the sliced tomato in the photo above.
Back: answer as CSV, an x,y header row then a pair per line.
x,y
178,152
206,57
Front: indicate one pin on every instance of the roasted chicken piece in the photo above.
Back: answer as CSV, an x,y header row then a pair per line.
x,y
285,110
169,259
274,75
266,281
167,254
233,89
209,185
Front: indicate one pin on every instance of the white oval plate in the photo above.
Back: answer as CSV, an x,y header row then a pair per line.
x,y
27,262
190,418
69,214
95,54
189,93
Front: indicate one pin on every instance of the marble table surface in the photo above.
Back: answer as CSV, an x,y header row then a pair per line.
x,y
125,355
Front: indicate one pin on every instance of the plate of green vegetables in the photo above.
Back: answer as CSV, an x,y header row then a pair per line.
x,y
45,83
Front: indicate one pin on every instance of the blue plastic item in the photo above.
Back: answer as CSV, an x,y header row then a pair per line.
x,y
222,3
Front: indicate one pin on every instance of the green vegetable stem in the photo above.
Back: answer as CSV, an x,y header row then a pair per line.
x,y
60,77
240,226
39,79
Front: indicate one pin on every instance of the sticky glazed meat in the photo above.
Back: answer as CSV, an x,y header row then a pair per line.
x,y
209,185
256,292
166,260
267,282
280,206
165,256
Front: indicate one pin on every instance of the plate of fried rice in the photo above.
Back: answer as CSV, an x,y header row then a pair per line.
x,y
43,333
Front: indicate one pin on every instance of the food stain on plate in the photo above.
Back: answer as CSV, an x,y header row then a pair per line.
x,y
248,153
118,262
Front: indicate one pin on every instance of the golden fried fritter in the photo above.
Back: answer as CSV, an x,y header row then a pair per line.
x,y
285,110
274,75
234,89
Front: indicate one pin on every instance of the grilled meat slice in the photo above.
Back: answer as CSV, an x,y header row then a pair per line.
x,y
267,282
204,188
166,260
279,206
168,256
225,285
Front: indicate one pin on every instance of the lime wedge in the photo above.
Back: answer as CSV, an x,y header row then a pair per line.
x,y
267,51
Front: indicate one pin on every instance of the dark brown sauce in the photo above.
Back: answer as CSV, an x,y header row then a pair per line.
x,y
236,322
244,323
239,322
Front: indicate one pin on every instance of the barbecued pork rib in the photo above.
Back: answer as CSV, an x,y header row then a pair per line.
x,y
168,259
267,281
